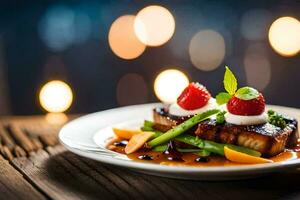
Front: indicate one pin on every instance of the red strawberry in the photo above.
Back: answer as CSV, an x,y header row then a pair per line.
x,y
193,96
238,106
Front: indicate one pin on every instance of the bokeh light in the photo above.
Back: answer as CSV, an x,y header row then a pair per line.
x,y
61,26
255,24
56,118
122,39
154,25
284,36
56,27
257,66
207,50
132,89
56,96
169,84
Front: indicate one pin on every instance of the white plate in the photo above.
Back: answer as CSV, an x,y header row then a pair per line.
x,y
78,136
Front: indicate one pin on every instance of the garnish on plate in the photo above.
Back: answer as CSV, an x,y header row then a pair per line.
x,y
181,128
194,96
242,101
252,106
244,133
220,118
276,119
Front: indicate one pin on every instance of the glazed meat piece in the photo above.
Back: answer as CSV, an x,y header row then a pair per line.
x,y
265,138
165,120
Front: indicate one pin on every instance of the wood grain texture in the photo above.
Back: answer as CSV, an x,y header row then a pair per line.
x,y
13,185
6,139
20,137
59,174
59,178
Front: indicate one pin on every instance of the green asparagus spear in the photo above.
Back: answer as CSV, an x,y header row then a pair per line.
x,y
148,126
214,147
160,148
199,152
202,144
202,153
181,128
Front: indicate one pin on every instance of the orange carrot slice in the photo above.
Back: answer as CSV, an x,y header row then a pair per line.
x,y
239,157
137,141
125,133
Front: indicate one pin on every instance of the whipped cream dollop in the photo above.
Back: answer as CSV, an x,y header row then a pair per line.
x,y
176,110
246,120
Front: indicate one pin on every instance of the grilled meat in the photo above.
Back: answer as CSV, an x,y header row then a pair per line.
x,y
164,120
265,138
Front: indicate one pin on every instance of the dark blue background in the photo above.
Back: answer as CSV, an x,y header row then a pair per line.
x,y
93,70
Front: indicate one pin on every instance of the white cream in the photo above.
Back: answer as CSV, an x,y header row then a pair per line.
x,y
176,110
246,120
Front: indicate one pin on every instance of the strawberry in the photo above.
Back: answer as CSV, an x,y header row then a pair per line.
x,y
238,106
193,96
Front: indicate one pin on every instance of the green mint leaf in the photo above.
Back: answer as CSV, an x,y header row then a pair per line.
x,y
223,97
220,118
230,82
247,93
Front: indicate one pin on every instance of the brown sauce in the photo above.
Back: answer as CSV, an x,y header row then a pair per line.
x,y
192,160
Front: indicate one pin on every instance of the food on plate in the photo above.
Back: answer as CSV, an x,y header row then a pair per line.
x,y
266,138
237,156
195,99
137,141
232,128
125,133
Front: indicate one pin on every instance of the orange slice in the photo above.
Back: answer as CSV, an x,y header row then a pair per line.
x,y
125,133
239,157
137,141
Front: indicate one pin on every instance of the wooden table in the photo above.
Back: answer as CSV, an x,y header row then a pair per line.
x,y
34,166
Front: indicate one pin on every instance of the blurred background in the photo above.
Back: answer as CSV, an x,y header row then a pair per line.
x,y
105,54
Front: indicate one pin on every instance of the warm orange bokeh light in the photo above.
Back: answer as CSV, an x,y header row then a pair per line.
x,y
284,36
132,89
56,118
56,96
257,66
154,25
122,39
207,50
169,84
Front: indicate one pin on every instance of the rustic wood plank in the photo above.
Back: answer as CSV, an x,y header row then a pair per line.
x,y
59,178
6,153
36,143
13,185
34,137
122,183
162,188
135,186
132,186
20,137
6,139
48,140
63,175
19,152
